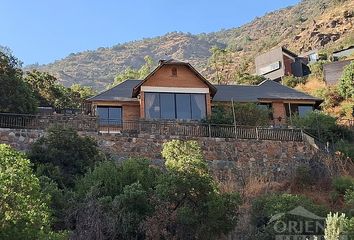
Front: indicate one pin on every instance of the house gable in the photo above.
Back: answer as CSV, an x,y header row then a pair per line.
x,y
175,76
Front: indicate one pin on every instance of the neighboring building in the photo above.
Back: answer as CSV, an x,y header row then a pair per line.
x,y
176,91
333,71
310,57
280,62
344,53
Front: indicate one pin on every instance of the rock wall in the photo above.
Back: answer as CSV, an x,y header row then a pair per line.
x,y
231,160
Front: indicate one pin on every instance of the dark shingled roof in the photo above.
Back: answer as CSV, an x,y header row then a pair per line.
x,y
122,92
267,89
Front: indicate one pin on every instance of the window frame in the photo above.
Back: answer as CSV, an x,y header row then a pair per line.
x,y
175,106
119,122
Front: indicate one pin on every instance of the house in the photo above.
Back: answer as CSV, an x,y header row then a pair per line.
x,y
333,71
177,91
280,62
344,53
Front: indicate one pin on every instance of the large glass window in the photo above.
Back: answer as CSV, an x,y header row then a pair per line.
x,y
198,106
304,110
152,105
167,101
297,109
109,115
184,106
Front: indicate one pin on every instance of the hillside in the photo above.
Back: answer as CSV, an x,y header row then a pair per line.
x,y
312,24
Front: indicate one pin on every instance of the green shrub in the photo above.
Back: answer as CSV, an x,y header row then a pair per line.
x,y
248,114
346,82
322,126
24,213
268,210
346,148
292,81
63,155
343,183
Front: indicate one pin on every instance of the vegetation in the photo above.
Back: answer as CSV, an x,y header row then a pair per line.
x,y
346,83
62,155
292,81
245,114
267,211
24,213
130,73
51,93
16,95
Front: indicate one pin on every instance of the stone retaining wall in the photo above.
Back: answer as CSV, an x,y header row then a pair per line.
x,y
231,160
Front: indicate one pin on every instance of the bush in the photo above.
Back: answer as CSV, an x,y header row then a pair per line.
x,y
292,81
63,155
112,200
346,148
343,183
24,213
248,114
195,207
331,97
268,210
346,82
322,126
335,225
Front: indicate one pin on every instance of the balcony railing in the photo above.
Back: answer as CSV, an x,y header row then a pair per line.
x,y
201,130
171,128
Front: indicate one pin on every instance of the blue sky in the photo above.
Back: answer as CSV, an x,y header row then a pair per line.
x,y
41,31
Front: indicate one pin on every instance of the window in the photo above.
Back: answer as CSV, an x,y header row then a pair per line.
x,y
167,105
174,72
109,115
304,109
297,109
198,106
152,105
184,106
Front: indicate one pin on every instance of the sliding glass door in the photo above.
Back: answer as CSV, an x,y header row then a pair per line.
x,y
181,106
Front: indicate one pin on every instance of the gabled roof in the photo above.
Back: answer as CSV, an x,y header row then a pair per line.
x,y
122,92
212,88
266,90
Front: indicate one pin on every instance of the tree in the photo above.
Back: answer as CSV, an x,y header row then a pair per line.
x,y
247,79
130,73
346,82
113,200
219,62
24,213
42,85
49,91
16,96
192,206
84,91
63,155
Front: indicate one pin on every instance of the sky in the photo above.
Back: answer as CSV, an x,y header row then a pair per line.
x,y
42,31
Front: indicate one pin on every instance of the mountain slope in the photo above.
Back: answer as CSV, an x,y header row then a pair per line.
x,y
309,25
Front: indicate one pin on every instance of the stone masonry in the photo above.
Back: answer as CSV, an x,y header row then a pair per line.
x,y
232,160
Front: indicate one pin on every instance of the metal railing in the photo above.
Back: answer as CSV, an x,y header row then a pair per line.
x,y
27,121
195,129
169,128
